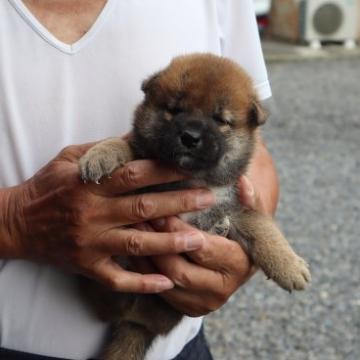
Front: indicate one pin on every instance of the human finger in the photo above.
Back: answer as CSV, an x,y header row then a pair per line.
x,y
116,278
248,196
187,301
132,242
186,274
191,303
224,255
135,175
217,253
246,192
132,209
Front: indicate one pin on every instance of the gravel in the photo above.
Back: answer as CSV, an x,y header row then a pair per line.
x,y
314,136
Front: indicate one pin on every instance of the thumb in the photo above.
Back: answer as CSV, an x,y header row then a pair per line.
x,y
246,192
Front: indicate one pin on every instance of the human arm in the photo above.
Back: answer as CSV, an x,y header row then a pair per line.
x,y
9,200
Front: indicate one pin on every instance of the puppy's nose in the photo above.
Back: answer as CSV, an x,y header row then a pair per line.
x,y
191,138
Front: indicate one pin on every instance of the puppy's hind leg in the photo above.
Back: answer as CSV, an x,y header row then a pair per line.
x,y
103,158
134,331
270,250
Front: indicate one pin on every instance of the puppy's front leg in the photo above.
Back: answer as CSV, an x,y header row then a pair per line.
x,y
103,158
270,250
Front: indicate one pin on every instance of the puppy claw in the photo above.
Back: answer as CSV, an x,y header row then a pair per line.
x,y
97,163
222,227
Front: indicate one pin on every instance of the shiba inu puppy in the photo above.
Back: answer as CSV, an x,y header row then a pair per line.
x,y
199,115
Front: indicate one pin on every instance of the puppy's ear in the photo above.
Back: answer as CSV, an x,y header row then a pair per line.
x,y
257,114
150,83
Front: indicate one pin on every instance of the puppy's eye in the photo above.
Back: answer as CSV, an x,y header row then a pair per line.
x,y
220,120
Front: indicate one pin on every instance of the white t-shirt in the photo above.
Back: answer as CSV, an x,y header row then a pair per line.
x,y
53,94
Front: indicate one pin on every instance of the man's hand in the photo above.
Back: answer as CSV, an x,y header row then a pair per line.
x,y
207,277
53,217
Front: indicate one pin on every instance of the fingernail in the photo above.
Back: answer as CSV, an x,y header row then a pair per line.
x,y
248,187
194,240
163,283
204,199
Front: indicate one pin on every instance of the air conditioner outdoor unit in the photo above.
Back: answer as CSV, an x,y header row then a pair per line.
x,y
315,21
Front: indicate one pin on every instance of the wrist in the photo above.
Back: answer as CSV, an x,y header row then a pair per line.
x,y
11,204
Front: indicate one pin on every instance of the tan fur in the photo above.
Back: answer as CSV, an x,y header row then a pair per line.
x,y
102,159
208,90
271,251
221,81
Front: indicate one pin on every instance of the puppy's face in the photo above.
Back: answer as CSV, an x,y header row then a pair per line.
x,y
199,115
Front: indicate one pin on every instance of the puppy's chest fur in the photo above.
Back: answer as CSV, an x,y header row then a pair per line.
x,y
225,203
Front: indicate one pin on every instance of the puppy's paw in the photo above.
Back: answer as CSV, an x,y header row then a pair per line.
x,y
99,161
222,227
292,273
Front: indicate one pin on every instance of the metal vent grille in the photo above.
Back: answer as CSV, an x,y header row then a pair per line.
x,y
328,19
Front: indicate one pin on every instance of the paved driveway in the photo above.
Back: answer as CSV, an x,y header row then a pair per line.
x,y
314,135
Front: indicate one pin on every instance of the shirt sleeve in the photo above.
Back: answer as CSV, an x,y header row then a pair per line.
x,y
240,41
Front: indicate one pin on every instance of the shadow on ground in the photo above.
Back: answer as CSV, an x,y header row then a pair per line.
x,y
314,135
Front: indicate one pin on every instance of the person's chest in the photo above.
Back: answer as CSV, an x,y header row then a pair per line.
x,y
68,21
56,94
53,94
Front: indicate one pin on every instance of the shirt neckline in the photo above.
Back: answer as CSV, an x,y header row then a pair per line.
x,y
42,31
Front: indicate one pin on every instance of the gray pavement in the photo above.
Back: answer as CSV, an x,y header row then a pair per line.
x,y
314,135
276,51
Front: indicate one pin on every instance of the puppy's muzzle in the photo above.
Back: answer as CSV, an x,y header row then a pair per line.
x,y
191,139
192,133
196,143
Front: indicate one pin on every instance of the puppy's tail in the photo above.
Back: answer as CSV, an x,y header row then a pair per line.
x,y
130,341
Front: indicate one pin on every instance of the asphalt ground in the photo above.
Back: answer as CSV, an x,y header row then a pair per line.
x,y
277,50
314,135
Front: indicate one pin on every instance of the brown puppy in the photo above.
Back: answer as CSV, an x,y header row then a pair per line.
x,y
200,115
